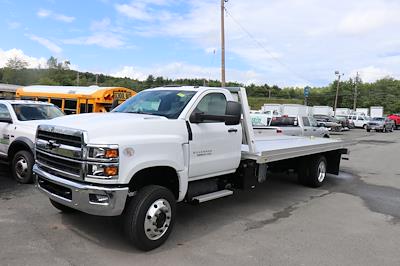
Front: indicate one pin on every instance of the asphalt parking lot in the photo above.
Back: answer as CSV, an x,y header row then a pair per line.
x,y
353,220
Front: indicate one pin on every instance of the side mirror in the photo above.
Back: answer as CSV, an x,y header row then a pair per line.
x,y
233,113
196,117
7,120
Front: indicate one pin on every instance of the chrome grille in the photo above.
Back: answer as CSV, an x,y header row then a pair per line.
x,y
61,151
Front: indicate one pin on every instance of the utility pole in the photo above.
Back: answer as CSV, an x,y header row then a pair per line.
x,y
223,43
355,93
97,78
337,73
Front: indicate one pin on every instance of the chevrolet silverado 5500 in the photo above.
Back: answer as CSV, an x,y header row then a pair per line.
x,y
163,146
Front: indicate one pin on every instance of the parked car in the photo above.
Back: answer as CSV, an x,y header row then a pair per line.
x,y
292,126
359,121
396,119
329,122
346,123
18,122
381,124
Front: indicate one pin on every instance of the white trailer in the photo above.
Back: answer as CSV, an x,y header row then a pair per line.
x,y
194,144
343,111
272,109
362,111
294,110
322,110
376,111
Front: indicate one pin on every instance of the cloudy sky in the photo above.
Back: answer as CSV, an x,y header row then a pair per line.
x,y
283,42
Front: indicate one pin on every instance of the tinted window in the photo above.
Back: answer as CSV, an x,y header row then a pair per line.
x,y
27,112
70,107
168,103
4,113
283,121
86,108
57,102
212,104
306,123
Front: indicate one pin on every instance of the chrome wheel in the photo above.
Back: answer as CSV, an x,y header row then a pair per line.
x,y
321,171
157,220
21,167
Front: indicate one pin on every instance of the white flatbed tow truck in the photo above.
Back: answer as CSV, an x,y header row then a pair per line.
x,y
163,146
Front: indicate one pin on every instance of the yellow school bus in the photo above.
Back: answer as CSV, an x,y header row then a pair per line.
x,y
76,100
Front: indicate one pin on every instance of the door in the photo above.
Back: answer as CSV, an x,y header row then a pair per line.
x,y
308,130
215,148
4,130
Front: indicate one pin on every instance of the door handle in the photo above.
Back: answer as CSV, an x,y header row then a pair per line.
x,y
232,130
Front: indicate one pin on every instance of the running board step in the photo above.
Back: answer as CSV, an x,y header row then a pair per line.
x,y
212,196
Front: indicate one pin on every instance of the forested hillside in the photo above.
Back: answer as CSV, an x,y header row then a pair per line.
x,y
384,92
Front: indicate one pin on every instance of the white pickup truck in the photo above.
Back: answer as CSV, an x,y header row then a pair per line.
x,y
163,146
18,123
305,126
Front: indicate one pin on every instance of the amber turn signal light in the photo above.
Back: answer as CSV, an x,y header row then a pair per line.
x,y
111,153
111,171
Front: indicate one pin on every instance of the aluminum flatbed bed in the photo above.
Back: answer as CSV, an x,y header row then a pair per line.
x,y
276,148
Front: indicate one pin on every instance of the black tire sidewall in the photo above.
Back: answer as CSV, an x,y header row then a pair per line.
x,y
308,171
29,159
135,214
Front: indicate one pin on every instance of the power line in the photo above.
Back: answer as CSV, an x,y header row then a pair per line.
x,y
272,56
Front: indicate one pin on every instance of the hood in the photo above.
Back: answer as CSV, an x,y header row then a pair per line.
x,y
100,126
31,123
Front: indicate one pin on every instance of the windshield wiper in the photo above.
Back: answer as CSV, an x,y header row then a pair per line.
x,y
144,113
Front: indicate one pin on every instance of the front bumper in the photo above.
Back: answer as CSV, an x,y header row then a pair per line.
x,y
82,197
375,127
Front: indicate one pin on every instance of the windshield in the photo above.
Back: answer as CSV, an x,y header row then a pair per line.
x,y
378,118
168,103
27,112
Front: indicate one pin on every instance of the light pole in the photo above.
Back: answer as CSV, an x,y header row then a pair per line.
x,y
337,73
223,43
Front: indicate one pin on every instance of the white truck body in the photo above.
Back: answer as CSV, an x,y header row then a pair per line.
x,y
272,109
193,156
362,111
376,111
343,111
322,110
294,110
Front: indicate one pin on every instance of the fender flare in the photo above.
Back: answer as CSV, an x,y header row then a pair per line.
x,y
21,141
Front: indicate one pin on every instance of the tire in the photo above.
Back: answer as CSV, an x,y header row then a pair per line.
x,y
326,136
364,126
368,130
141,212
312,173
21,167
61,207
384,130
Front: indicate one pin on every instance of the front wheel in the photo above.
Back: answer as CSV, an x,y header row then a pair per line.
x,y
149,217
21,167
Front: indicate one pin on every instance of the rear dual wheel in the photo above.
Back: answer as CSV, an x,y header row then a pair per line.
x,y
312,172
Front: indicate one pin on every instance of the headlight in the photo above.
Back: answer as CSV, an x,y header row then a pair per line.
x,y
103,152
103,171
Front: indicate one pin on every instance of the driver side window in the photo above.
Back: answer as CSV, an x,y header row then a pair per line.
x,y
212,104
4,113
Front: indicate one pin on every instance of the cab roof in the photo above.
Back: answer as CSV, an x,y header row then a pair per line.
x,y
24,102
